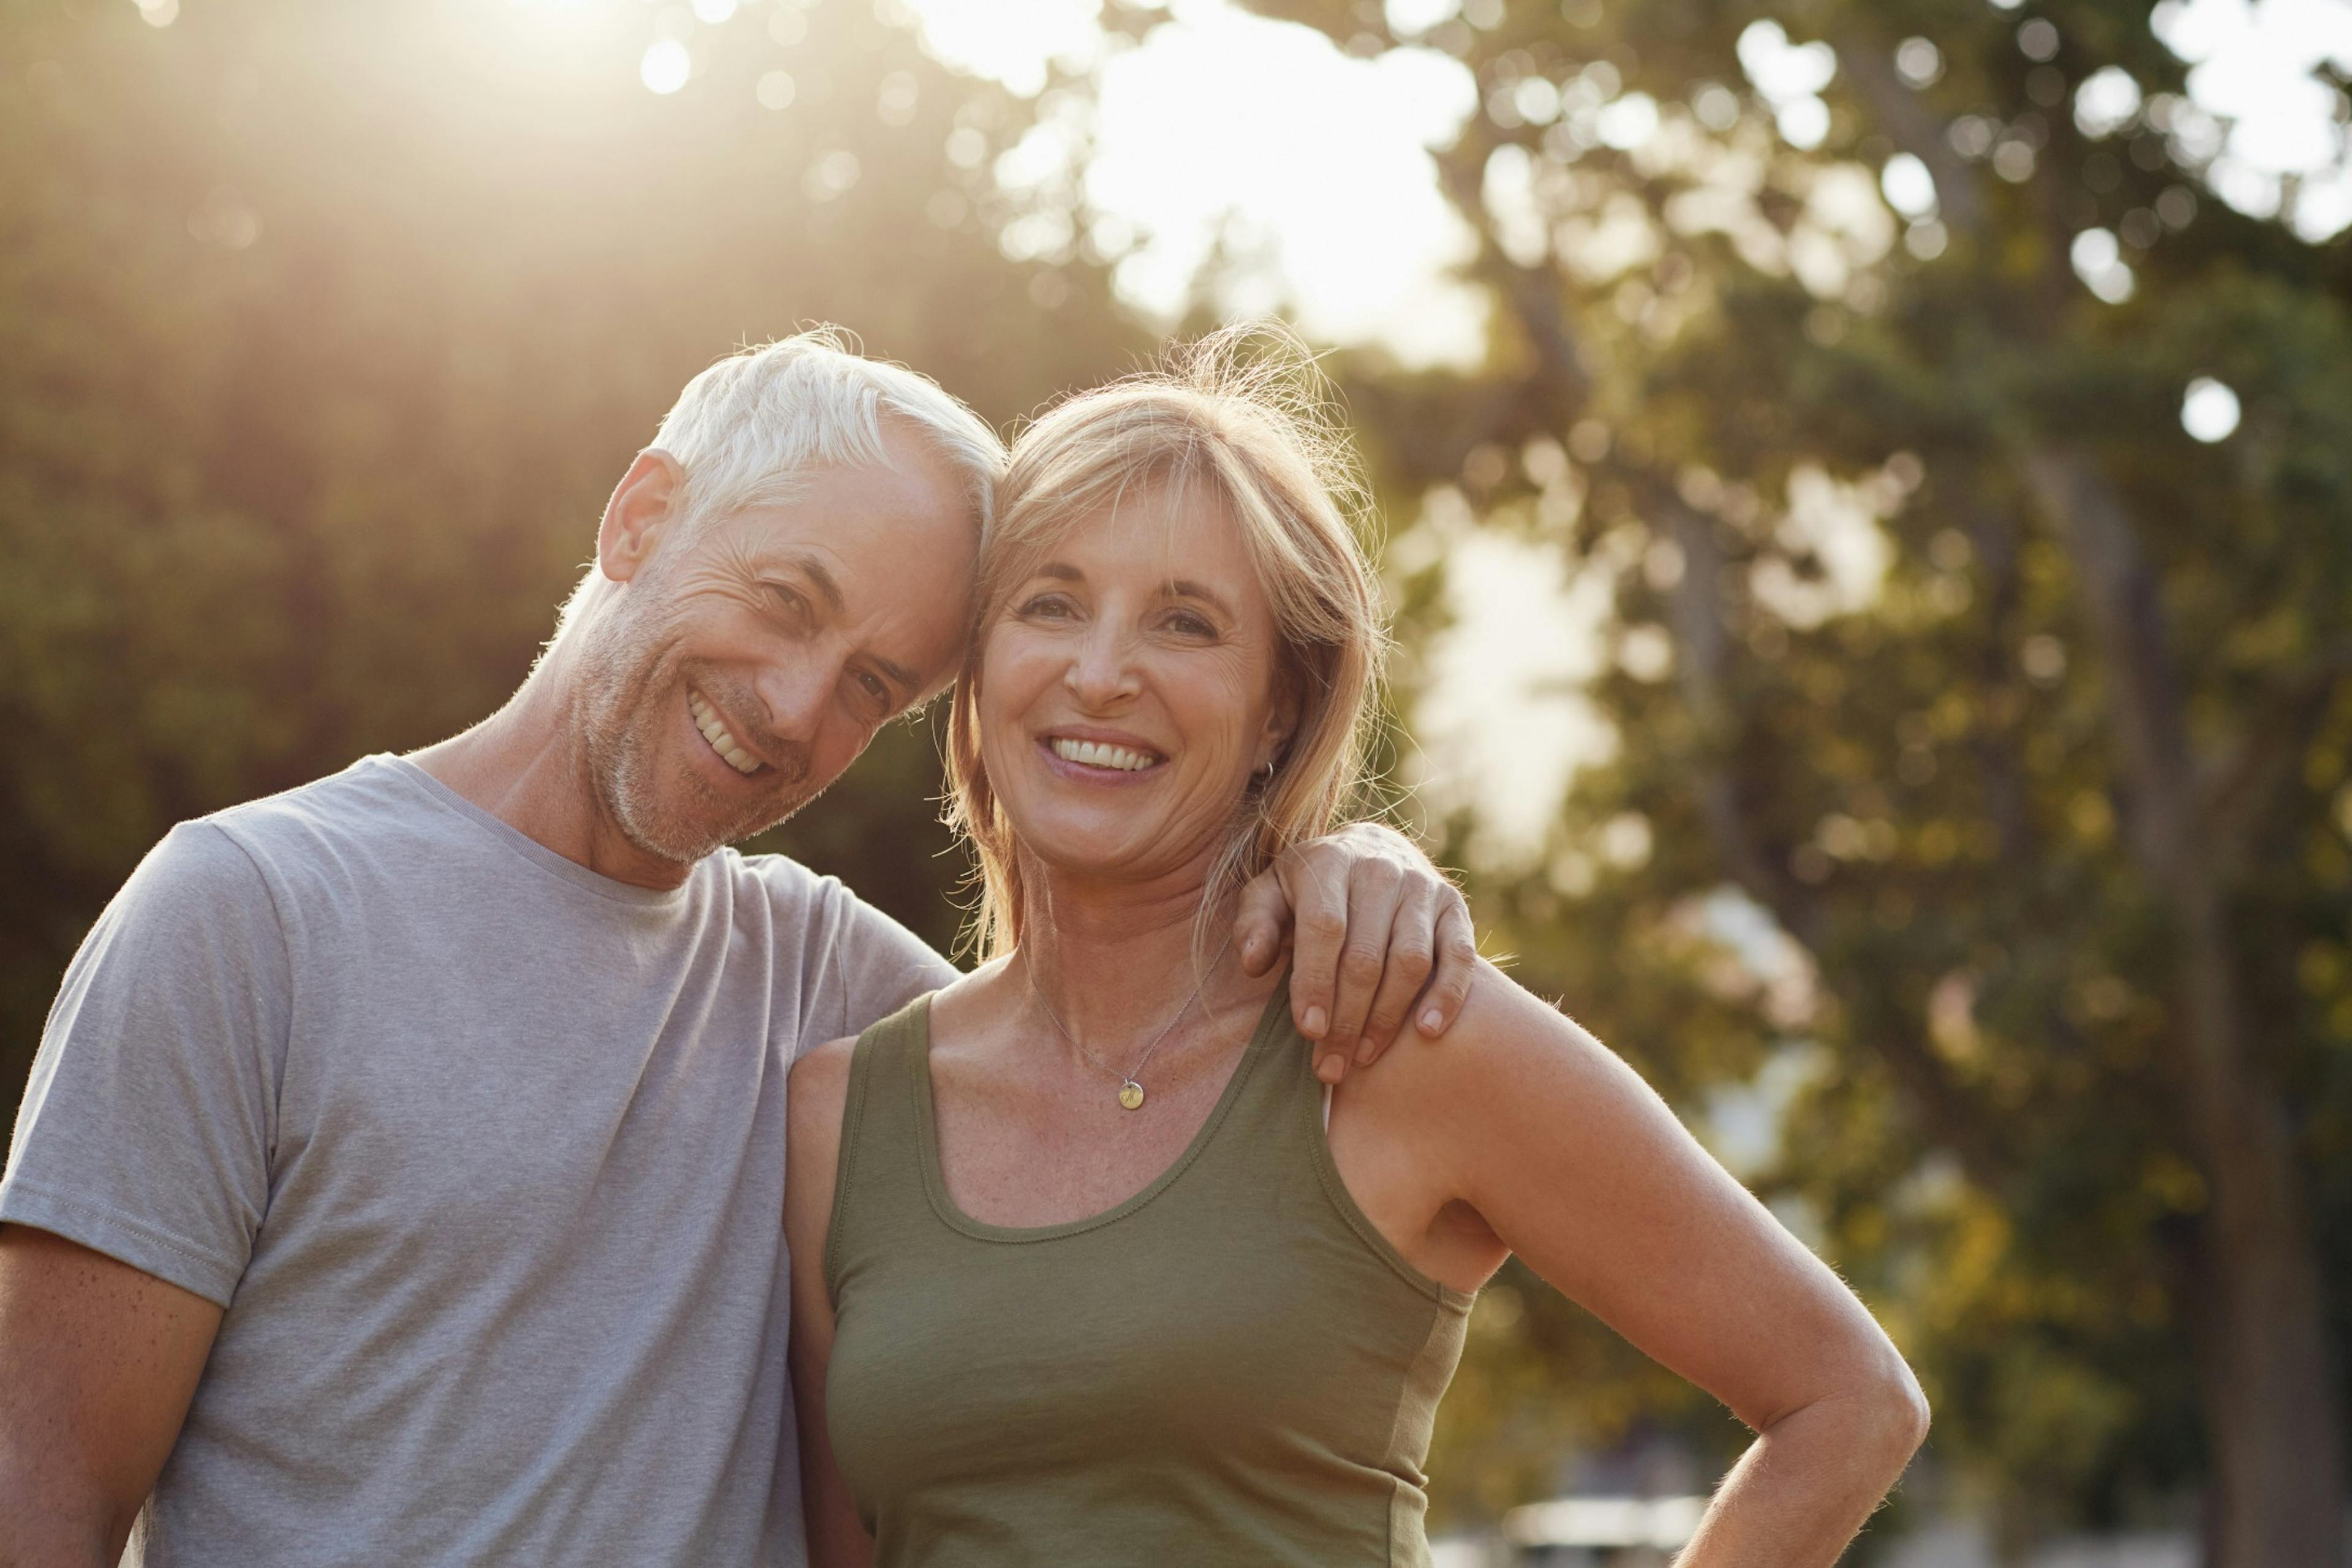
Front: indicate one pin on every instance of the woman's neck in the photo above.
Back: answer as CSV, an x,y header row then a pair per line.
x,y
1114,960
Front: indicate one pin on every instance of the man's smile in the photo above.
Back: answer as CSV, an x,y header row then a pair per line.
x,y
715,731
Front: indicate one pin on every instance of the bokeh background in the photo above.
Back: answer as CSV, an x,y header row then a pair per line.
x,y
1868,505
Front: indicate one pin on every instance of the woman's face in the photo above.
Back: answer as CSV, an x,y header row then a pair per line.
x,y
1127,690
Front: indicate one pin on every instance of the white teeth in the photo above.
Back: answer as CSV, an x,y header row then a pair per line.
x,y
1096,754
706,721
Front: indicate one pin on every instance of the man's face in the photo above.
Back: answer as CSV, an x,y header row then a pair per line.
x,y
736,674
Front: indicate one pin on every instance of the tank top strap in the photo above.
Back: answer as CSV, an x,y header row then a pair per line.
x,y
1276,1141
1275,1116
878,1182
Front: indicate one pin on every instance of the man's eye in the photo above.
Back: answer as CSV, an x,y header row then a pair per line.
x,y
787,598
871,684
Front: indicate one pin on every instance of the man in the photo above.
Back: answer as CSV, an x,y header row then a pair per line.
x,y
401,1174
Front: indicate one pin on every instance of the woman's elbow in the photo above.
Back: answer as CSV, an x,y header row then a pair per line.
x,y
1898,1413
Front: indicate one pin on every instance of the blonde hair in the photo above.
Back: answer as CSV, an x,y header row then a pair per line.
x,y
1243,419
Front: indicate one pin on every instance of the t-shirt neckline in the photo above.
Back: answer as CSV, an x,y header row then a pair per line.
x,y
520,843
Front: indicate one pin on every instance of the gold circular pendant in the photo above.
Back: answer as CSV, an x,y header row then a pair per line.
x,y
1130,1095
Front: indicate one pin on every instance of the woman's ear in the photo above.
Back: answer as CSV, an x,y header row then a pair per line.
x,y
1281,723
643,506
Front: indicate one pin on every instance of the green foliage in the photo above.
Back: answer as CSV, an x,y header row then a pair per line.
x,y
1938,794
324,331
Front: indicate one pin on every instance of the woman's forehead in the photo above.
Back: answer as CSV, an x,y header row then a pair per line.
x,y
1171,527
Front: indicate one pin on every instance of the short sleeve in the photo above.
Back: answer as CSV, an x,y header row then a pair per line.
x,y
877,967
146,1128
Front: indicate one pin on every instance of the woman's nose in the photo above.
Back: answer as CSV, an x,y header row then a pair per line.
x,y
1103,673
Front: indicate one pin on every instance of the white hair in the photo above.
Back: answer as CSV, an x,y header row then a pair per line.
x,y
747,430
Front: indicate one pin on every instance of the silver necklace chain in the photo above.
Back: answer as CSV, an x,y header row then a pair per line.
x,y
1130,1085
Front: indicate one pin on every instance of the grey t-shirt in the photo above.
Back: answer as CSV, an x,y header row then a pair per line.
x,y
484,1155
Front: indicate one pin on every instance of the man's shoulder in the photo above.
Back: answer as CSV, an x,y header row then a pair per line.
x,y
878,962
369,796
210,854
801,899
780,873
377,821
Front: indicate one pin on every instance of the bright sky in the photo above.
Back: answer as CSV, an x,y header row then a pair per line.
x,y
1315,165
1313,168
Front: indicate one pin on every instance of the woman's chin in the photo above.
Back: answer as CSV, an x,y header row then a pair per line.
x,y
1098,851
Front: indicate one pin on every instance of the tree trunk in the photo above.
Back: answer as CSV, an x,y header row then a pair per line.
x,y
2272,1413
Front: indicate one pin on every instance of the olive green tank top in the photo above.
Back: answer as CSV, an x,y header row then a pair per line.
x,y
1232,1366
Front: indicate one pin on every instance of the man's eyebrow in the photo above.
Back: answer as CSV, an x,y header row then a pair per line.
x,y
820,579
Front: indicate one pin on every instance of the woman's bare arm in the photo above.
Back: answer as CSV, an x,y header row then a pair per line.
x,y
819,1090
1579,1168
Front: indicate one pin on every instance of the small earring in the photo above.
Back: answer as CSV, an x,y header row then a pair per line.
x,y
1266,773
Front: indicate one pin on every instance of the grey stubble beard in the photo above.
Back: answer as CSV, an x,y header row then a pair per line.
x,y
626,682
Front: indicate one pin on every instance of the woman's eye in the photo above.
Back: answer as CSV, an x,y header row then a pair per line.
x,y
1191,626
1047,607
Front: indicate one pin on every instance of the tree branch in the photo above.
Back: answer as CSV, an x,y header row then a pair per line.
x,y
1870,67
2239,792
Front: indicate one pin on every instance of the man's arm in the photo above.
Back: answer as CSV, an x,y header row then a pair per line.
x,y
138,1179
1376,932
820,1093
98,1362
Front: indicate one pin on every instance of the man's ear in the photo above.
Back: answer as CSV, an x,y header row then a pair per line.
x,y
644,505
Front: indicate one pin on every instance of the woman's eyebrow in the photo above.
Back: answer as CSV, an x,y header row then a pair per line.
x,y
1185,588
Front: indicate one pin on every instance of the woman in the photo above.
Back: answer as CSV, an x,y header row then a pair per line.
x,y
1089,1267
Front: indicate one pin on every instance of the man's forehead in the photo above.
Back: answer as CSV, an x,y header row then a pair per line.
x,y
914,492
850,570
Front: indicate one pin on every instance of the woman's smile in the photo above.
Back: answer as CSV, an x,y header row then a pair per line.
x,y
1095,756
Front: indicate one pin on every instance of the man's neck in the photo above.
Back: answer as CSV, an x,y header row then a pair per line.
x,y
522,764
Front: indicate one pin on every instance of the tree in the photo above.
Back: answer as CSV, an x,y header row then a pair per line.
x,y
325,330
2056,815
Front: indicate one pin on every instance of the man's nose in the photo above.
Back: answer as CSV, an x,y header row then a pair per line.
x,y
795,690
